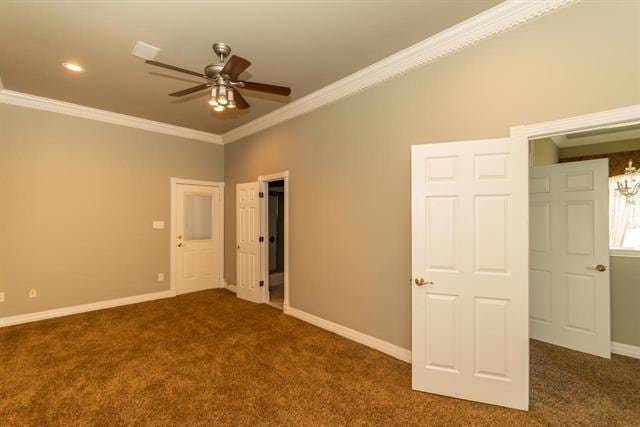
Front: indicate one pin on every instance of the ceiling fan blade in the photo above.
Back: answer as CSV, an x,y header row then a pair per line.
x,y
191,90
263,87
235,66
241,103
174,68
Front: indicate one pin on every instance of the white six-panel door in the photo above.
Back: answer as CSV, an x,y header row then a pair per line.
x,y
569,297
247,242
199,209
470,270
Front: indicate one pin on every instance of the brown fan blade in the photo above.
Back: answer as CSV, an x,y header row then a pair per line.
x,y
234,66
241,103
191,90
174,68
262,87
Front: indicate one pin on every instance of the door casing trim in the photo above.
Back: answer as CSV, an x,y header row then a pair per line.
x,y
263,180
623,116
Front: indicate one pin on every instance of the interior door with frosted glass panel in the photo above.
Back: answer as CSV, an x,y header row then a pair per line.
x,y
569,252
198,238
469,262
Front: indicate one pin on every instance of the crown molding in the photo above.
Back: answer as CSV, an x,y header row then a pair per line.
x,y
47,104
498,19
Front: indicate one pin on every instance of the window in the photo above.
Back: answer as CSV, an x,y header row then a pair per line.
x,y
197,216
624,220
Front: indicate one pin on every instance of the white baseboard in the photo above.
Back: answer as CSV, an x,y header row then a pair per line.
x,y
375,343
66,311
625,350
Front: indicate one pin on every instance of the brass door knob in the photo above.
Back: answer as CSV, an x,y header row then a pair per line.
x,y
180,244
421,282
601,268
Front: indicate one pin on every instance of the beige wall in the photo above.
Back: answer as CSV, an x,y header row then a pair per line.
x,y
78,198
350,161
545,152
625,300
603,148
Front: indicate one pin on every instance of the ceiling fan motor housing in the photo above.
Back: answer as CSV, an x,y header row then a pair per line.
x,y
213,70
222,50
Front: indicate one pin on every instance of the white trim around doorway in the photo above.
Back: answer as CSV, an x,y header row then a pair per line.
x,y
617,117
624,116
264,218
173,227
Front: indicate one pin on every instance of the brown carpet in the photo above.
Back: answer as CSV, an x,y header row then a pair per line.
x,y
209,358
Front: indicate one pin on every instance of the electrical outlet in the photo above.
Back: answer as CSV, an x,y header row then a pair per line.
x,y
33,292
1,296
160,277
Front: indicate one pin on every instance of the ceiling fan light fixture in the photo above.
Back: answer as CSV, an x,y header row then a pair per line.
x,y
219,108
222,95
230,98
213,102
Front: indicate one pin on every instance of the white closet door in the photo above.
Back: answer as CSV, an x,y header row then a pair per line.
x,y
248,245
569,295
469,260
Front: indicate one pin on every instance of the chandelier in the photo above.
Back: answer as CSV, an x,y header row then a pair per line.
x,y
631,185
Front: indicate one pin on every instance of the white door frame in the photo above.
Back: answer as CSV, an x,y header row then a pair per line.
x,y
605,119
263,180
623,116
173,240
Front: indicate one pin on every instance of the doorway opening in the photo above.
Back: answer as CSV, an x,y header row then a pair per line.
x,y
275,242
583,221
474,292
274,223
262,240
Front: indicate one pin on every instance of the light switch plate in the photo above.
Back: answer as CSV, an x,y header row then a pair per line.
x,y
160,277
158,225
1,296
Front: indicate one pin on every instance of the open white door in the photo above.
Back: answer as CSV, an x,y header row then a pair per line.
x,y
248,245
569,209
470,316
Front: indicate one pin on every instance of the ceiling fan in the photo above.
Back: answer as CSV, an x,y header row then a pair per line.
x,y
223,80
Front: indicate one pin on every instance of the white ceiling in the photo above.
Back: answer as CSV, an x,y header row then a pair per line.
x,y
305,45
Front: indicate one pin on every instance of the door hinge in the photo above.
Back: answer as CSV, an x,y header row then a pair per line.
x,y
261,283
261,239
261,195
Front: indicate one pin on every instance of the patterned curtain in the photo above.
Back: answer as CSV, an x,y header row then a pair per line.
x,y
620,214
617,161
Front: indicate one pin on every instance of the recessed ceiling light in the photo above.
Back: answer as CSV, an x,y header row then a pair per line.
x,y
73,67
